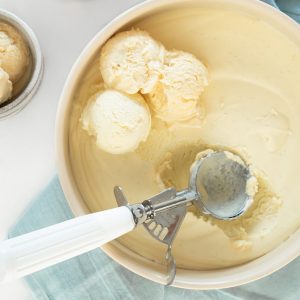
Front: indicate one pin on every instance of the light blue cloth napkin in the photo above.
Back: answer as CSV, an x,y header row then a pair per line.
x,y
95,276
290,7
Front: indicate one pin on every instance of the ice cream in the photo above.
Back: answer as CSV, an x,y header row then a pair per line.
x,y
14,53
249,110
133,62
176,95
130,62
119,122
5,86
171,171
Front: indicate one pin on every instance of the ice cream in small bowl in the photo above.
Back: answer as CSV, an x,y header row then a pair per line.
x,y
165,83
20,64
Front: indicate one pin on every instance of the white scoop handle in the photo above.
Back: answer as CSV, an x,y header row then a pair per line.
x,y
39,249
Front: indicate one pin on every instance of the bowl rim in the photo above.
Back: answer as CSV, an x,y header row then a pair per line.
x,y
191,279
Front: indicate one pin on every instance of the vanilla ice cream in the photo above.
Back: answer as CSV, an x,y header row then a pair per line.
x,y
130,62
14,53
249,110
5,86
176,95
119,122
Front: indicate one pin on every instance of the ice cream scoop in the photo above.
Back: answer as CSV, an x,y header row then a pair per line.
x,y
118,121
218,186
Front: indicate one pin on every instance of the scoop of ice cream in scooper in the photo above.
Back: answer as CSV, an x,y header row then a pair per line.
x,y
221,185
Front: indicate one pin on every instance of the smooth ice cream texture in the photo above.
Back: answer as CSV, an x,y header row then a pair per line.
x,y
5,86
14,53
120,122
130,62
249,110
176,95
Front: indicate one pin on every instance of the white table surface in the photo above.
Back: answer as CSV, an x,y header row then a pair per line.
x,y
27,160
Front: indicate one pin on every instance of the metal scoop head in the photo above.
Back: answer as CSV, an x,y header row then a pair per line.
x,y
224,185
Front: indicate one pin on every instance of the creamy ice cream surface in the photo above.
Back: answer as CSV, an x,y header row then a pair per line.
x,y
14,53
176,95
173,81
130,62
249,110
118,121
5,86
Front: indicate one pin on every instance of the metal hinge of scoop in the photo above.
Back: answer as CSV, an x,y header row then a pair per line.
x,y
163,225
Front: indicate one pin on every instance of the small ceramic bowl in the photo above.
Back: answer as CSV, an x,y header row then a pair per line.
x,y
185,278
24,91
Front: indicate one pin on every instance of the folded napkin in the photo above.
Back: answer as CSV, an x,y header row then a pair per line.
x,y
290,7
94,276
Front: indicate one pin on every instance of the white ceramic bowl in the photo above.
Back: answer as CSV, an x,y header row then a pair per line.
x,y
191,279
30,86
